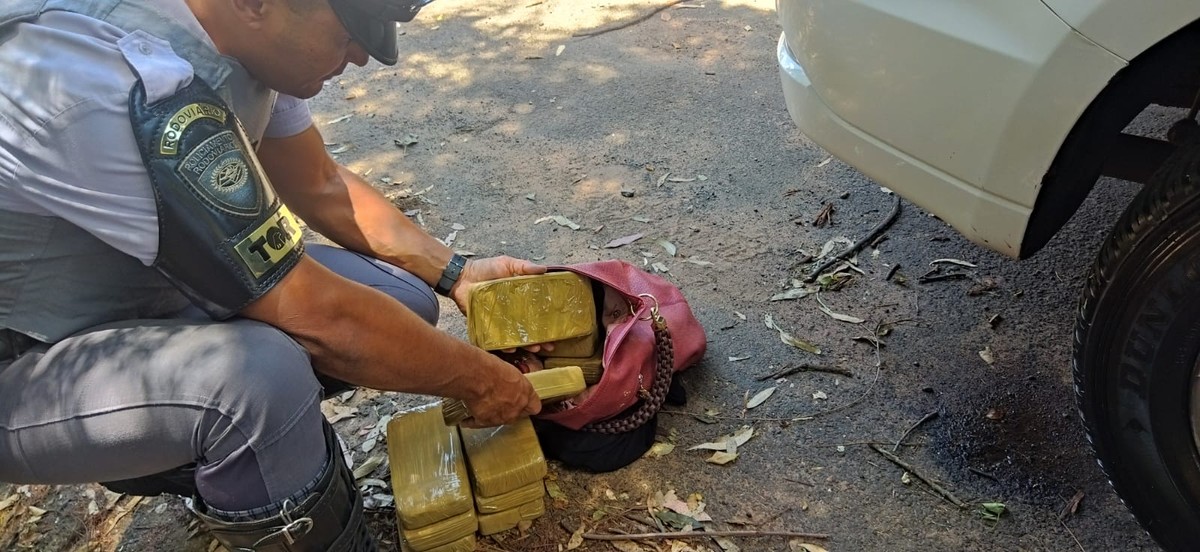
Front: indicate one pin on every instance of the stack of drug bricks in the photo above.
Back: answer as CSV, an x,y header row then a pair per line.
x,y
556,307
450,483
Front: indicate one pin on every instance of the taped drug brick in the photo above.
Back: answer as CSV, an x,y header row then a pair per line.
x,y
503,459
490,524
529,310
429,471
465,544
442,533
550,386
511,499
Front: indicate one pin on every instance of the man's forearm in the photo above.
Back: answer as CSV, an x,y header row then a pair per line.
x,y
346,209
367,222
364,337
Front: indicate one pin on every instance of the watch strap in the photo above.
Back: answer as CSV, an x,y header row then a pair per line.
x,y
450,275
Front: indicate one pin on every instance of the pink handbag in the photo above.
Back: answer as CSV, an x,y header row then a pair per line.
x,y
641,352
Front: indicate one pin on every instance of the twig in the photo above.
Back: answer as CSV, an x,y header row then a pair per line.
x,y
932,485
720,417
629,23
636,520
982,473
702,535
788,370
858,244
940,277
927,417
1072,533
891,272
852,443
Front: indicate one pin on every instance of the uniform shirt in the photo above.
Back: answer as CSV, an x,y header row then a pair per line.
x,y
67,147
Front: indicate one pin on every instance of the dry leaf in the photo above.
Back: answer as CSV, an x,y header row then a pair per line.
x,y
798,546
340,149
340,119
838,316
336,413
726,442
958,262
369,482
554,491
369,444
788,339
560,49
659,450
660,267
576,539
662,179
627,546
368,466
457,226
639,219
8,502
820,396
794,293
827,161
832,244
668,246
407,140
761,397
987,356
622,241
559,220
738,358
721,458
726,544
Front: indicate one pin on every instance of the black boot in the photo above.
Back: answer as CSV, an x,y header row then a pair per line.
x,y
329,519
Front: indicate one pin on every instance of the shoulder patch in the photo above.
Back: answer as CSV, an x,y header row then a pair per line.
x,y
224,237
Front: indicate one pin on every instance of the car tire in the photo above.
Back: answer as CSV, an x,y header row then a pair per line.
x,y
1137,343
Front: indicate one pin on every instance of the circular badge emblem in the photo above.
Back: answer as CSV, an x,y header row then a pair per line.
x,y
230,173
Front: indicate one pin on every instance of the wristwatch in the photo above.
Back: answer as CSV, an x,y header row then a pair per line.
x,y
449,276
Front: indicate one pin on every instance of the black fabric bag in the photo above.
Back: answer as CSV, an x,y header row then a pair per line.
x,y
602,452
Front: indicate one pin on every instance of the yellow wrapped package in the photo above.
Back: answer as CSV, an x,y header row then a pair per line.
x,y
465,544
550,385
429,473
503,459
511,499
490,524
442,533
576,347
592,368
527,310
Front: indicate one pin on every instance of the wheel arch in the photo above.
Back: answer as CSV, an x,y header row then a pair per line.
x,y
1167,72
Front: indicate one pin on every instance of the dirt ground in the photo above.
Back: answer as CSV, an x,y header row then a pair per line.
x,y
496,116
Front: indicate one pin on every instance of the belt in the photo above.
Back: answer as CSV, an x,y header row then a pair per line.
x,y
13,344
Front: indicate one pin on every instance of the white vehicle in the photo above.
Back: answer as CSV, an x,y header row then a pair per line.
x,y
998,117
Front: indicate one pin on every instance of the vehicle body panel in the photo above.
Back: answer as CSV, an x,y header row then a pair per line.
x,y
959,106
1126,28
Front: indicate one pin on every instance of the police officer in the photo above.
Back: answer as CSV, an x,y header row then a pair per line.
x,y
162,325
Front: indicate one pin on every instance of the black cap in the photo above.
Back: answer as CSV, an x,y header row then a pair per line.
x,y
372,23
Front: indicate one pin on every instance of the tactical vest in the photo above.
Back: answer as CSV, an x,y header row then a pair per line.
x,y
55,278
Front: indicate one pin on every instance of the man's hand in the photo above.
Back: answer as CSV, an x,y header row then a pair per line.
x,y
491,268
509,397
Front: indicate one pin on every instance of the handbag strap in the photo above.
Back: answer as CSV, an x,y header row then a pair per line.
x,y
664,354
